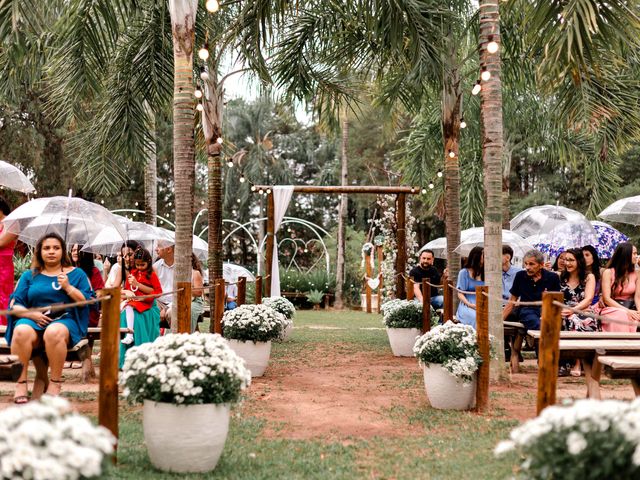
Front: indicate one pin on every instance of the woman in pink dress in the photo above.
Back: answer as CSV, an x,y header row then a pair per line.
x,y
620,298
7,244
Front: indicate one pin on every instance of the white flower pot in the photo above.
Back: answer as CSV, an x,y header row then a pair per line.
x,y
256,355
402,340
185,438
446,391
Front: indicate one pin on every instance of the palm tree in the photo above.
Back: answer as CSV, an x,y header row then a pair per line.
x,y
342,213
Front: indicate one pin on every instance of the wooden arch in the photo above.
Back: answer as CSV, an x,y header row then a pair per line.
x,y
401,215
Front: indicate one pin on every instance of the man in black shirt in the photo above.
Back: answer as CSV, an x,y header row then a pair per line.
x,y
528,286
425,269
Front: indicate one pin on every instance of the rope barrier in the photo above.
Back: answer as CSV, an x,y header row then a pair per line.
x,y
595,316
155,295
55,308
517,303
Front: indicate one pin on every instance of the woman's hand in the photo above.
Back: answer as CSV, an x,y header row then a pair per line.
x,y
63,281
633,315
126,294
566,312
471,305
133,281
40,318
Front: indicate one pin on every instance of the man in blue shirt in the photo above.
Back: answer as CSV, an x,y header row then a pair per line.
x,y
508,271
528,286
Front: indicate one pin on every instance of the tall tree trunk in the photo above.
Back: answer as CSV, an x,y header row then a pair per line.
x,y
506,177
451,104
342,214
212,127
151,176
492,139
183,17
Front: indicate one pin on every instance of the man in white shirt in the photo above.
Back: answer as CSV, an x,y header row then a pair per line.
x,y
164,268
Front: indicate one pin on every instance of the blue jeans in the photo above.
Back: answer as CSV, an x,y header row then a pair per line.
x,y
529,317
230,305
437,301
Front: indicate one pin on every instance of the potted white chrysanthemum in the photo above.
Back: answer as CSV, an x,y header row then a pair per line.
x,y
187,384
46,440
249,329
450,359
589,440
285,307
403,319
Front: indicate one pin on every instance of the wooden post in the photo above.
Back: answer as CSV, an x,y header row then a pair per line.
x,y
426,306
109,359
549,350
242,291
401,243
482,331
258,290
409,288
369,272
380,260
447,294
184,307
219,306
269,243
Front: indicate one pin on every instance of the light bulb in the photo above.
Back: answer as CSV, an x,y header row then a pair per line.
x,y
238,200
203,53
201,202
199,107
412,191
431,185
452,154
203,74
230,163
424,191
260,192
439,174
253,188
476,88
102,202
463,124
136,204
485,75
492,46
212,6
242,179
197,92
219,140
268,191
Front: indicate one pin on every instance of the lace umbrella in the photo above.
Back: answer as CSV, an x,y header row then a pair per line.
x,y
12,178
474,237
608,238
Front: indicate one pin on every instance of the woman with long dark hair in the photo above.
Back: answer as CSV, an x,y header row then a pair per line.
x,y
620,293
471,276
592,262
51,280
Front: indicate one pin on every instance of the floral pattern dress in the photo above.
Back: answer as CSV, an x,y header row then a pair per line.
x,y
575,322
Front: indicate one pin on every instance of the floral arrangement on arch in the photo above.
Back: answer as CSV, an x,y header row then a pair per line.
x,y
280,304
185,369
255,323
454,346
46,440
387,226
589,440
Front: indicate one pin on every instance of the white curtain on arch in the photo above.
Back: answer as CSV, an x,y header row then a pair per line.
x,y
281,198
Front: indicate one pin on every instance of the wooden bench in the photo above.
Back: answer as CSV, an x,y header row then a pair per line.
x,y
514,333
622,367
10,368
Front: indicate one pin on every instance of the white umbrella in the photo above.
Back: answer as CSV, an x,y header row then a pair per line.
x,y
626,210
108,241
200,247
438,246
74,219
474,237
231,272
11,177
553,229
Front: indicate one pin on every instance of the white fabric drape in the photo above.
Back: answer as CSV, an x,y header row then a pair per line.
x,y
281,198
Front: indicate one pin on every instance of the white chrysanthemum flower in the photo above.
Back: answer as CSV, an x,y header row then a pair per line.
x,y
576,443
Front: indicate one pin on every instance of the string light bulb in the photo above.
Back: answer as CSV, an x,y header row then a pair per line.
x,y
431,185
219,140
476,88
197,92
463,124
439,174
204,75
212,6
199,107
260,192
452,154
492,46
203,53
253,188
485,75
230,163
268,191
242,179
424,191
238,200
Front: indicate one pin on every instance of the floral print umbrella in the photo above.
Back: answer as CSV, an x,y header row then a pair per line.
x,y
608,238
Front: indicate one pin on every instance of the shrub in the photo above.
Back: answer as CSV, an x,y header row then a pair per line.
x,y
280,304
256,323
315,296
403,314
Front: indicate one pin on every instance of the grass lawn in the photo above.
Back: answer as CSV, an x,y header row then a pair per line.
x,y
455,445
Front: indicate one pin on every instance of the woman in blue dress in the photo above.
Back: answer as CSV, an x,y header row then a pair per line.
x,y
51,280
471,276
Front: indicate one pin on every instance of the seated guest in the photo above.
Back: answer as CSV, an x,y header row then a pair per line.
x,y
52,279
508,271
197,291
426,270
578,287
471,276
231,296
620,291
528,286
164,268
559,264
592,261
